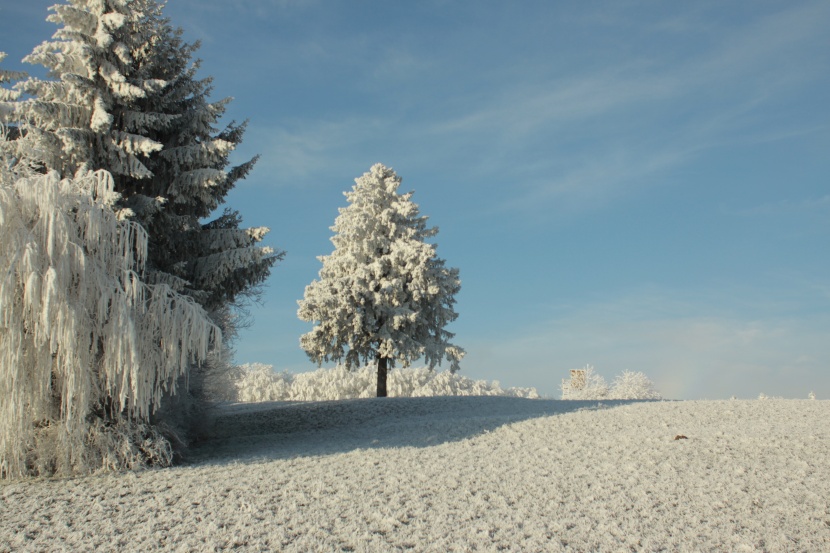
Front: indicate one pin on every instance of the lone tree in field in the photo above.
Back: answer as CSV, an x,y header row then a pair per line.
x,y
383,294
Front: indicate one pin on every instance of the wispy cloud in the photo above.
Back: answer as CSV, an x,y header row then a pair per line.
x,y
786,207
562,139
638,116
302,153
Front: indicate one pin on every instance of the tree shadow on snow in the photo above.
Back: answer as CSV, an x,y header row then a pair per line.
x,y
283,430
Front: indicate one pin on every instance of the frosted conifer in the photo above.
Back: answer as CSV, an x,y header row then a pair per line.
x,y
82,117
122,96
214,261
383,294
8,77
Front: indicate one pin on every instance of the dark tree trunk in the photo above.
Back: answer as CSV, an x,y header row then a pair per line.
x,y
382,372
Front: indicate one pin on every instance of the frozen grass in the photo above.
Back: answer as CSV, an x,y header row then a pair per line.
x,y
460,474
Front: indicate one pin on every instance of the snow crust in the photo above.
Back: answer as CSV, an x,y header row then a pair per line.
x,y
460,474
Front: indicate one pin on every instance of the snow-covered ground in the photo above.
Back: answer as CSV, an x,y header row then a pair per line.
x,y
460,474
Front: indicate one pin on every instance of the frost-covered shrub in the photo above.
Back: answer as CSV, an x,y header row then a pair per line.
x,y
585,384
181,417
633,385
114,445
763,396
423,382
260,382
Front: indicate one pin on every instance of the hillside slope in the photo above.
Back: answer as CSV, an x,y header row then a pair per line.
x,y
460,474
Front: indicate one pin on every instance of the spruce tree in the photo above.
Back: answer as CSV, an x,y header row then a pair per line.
x,y
122,96
83,116
383,294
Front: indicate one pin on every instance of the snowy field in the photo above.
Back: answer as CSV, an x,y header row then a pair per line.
x,y
460,474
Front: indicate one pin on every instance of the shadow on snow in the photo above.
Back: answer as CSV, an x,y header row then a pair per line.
x,y
284,430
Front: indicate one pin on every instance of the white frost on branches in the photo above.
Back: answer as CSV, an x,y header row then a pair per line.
x,y
259,382
633,385
79,329
586,384
122,95
98,56
383,292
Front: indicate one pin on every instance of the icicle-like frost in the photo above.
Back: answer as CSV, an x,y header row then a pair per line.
x,y
104,55
77,323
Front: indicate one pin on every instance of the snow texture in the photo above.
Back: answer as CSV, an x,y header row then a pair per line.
x,y
460,474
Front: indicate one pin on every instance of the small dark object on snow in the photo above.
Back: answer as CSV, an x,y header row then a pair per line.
x,y
681,437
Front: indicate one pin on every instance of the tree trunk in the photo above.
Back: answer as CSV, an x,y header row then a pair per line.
x,y
382,372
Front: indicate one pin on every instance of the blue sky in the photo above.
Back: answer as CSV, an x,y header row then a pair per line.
x,y
635,185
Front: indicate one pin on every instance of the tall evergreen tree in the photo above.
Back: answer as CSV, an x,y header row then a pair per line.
x,y
124,97
383,294
81,117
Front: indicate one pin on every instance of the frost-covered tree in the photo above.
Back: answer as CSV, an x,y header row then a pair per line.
x,y
7,133
383,294
633,385
215,261
82,116
585,383
87,348
122,95
7,95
